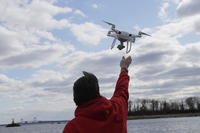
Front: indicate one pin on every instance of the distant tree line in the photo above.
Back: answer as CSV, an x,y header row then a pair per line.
x,y
158,107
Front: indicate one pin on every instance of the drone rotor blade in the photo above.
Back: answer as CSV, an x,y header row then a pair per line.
x,y
146,34
108,23
142,33
113,43
113,26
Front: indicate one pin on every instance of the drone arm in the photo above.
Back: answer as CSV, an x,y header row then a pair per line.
x,y
112,34
138,36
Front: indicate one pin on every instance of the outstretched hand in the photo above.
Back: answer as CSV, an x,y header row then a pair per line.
x,y
125,62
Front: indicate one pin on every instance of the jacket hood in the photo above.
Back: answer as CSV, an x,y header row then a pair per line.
x,y
97,109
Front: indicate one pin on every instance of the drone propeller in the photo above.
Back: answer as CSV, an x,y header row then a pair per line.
x,y
142,33
113,26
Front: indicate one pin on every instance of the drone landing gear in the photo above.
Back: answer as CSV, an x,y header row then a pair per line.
x,y
129,46
113,44
121,46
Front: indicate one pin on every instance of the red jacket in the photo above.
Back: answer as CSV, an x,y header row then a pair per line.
x,y
102,115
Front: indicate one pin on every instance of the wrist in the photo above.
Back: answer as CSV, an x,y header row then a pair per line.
x,y
124,69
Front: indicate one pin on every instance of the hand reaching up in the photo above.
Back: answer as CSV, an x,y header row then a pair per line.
x,y
125,62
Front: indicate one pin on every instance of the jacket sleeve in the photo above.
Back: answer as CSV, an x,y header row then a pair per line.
x,y
121,89
121,95
69,128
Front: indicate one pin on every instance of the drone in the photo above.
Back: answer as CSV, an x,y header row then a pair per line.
x,y
123,36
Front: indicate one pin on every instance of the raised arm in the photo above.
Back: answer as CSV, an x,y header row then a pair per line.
x,y
121,90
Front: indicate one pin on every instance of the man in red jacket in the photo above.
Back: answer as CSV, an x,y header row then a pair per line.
x,y
96,114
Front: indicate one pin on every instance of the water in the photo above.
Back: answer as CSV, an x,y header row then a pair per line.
x,y
163,125
34,128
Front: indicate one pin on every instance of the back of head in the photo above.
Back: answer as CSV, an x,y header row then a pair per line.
x,y
85,88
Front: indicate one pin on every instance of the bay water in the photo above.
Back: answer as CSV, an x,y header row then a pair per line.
x,y
161,125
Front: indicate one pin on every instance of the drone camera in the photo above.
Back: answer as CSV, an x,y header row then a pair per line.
x,y
130,35
120,47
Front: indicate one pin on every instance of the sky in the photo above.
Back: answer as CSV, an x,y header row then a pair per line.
x,y
46,44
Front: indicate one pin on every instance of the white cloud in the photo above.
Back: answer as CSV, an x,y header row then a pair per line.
x,y
23,26
52,81
188,7
95,6
35,56
46,35
187,17
163,13
30,22
79,12
88,33
9,42
158,68
25,101
34,14
27,41
163,67
179,27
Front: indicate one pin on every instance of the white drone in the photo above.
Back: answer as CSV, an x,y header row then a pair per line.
x,y
123,36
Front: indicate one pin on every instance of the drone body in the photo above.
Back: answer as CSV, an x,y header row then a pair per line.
x,y
123,36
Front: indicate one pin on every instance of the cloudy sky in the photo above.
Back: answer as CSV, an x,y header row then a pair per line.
x,y
46,44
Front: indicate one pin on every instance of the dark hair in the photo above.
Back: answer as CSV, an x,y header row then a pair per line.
x,y
85,88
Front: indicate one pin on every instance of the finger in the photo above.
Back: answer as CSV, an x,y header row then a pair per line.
x,y
129,60
129,57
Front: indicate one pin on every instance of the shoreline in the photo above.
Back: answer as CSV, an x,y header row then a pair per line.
x,y
163,116
128,118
